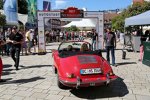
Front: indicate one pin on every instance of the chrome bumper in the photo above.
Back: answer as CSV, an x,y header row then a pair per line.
x,y
79,82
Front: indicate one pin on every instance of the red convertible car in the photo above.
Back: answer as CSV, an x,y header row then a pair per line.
x,y
76,65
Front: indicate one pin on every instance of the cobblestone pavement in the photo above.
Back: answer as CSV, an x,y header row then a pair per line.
x,y
36,81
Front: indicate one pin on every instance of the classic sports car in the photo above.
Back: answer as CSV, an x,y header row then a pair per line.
x,y
76,65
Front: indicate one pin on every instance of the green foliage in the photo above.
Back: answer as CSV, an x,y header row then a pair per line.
x,y
72,28
3,20
1,4
137,8
22,6
118,23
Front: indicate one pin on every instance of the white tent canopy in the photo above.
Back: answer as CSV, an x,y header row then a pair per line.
x,y
21,17
141,19
84,23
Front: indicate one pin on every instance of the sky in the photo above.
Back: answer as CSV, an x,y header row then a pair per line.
x,y
90,5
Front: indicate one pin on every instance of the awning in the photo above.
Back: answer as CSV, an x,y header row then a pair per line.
x,y
141,19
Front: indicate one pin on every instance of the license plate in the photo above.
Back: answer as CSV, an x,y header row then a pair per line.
x,y
92,84
90,71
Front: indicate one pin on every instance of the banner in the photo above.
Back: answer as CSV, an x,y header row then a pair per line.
x,y
41,42
72,12
32,12
10,11
46,6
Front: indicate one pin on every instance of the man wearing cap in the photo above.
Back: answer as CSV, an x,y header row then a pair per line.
x,y
15,39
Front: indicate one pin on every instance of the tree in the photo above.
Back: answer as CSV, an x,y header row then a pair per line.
x,y
3,20
137,8
22,6
72,28
1,4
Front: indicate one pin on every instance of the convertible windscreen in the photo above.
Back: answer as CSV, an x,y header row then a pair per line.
x,y
64,54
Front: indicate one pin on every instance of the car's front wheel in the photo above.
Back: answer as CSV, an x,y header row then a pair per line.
x,y
60,85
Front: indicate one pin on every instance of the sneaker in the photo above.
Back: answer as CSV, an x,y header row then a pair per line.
x,y
17,68
114,65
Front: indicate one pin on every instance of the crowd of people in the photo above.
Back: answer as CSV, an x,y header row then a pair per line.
x,y
13,41
57,36
29,40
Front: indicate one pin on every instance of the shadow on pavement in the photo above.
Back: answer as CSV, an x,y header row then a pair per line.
x,y
126,63
104,50
118,49
6,66
116,89
22,81
6,70
7,73
49,52
127,59
35,66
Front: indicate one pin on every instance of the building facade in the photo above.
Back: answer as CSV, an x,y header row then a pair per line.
x,y
108,16
139,1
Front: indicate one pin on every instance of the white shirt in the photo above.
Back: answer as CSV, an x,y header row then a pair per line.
x,y
31,35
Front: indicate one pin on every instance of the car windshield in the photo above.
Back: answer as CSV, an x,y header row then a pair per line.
x,y
75,45
67,49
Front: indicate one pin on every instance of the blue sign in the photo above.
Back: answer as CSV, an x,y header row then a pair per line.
x,y
10,11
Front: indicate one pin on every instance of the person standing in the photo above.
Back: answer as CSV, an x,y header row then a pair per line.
x,y
110,45
47,36
16,40
8,44
94,39
24,45
28,40
145,37
34,42
61,35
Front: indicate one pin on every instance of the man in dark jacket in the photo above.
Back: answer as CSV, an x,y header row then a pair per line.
x,y
15,39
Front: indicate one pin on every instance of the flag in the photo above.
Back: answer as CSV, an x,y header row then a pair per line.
x,y
46,6
32,11
11,11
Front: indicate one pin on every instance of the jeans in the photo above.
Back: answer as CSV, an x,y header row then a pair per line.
x,y
8,46
112,49
93,45
15,54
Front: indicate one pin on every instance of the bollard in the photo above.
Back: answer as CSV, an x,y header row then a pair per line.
x,y
123,54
